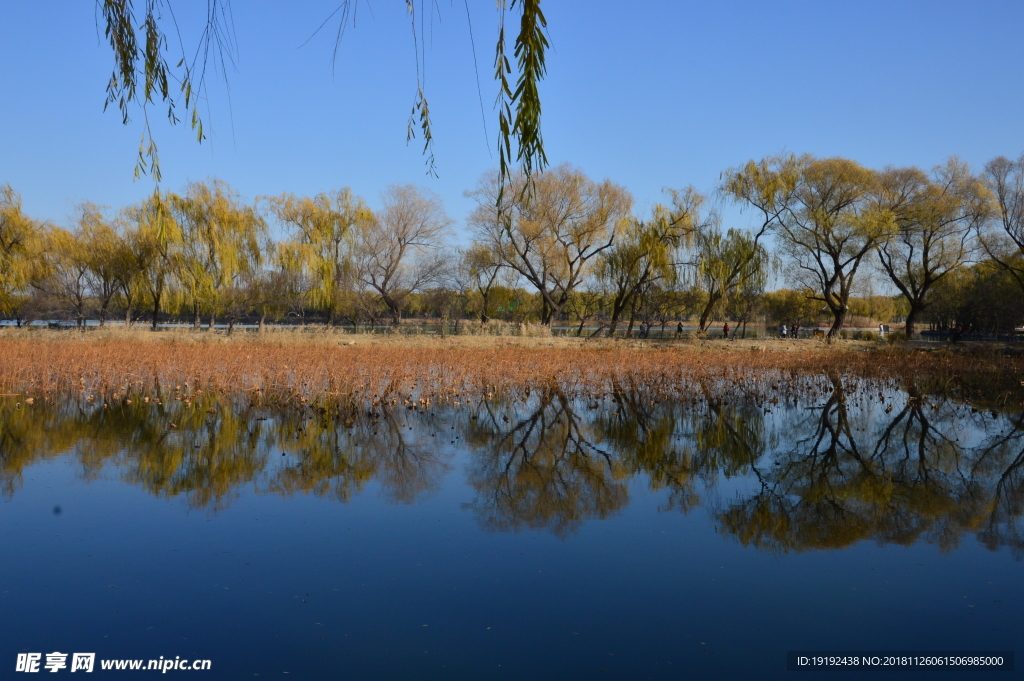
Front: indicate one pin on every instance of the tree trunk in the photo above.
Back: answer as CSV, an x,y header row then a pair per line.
x,y
837,323
262,319
911,324
394,309
545,313
128,316
210,328
618,305
156,309
196,322
706,314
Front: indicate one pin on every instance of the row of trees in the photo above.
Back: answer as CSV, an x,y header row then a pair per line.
x,y
556,246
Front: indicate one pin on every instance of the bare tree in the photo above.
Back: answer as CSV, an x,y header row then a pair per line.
x,y
401,251
1005,179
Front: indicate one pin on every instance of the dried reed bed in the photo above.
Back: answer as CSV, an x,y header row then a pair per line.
x,y
331,374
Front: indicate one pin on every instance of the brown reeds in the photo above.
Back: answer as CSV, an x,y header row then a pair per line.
x,y
332,374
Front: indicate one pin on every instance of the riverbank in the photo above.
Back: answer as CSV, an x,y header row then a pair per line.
x,y
338,370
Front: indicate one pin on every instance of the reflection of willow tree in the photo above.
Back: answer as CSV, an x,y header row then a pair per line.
x,y
27,435
338,458
197,449
541,470
677,447
907,477
206,452
858,465
1001,460
207,456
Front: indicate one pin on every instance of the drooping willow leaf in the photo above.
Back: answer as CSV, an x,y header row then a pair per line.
x,y
143,76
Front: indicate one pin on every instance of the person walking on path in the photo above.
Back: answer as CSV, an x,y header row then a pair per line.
x,y
782,331
725,330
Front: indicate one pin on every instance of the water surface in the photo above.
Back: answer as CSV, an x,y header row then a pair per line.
x,y
539,538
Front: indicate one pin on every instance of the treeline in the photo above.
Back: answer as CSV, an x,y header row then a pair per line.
x,y
557,247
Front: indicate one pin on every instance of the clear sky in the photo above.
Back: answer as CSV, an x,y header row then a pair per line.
x,y
650,94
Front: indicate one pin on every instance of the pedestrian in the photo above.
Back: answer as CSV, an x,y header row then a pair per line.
x,y
725,330
796,332
679,329
782,331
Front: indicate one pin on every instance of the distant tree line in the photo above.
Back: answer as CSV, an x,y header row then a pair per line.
x,y
557,248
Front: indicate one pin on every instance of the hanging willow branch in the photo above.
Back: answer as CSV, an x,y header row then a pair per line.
x,y
420,103
142,76
530,46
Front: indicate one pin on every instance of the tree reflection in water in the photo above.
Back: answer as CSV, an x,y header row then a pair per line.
x,y
854,460
541,465
856,468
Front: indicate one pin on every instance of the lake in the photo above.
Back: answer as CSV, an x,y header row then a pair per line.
x,y
548,537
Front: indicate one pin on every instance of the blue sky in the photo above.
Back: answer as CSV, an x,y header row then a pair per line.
x,y
648,94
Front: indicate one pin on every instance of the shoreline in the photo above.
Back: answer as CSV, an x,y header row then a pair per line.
x,y
346,371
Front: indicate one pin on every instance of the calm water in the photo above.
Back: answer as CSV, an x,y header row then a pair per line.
x,y
545,539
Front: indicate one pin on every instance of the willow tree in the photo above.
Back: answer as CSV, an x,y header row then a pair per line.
x,y
936,219
768,186
281,287
153,239
323,242
823,217
480,267
648,252
18,235
829,229
725,264
221,241
402,250
554,233
105,253
61,271
134,257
